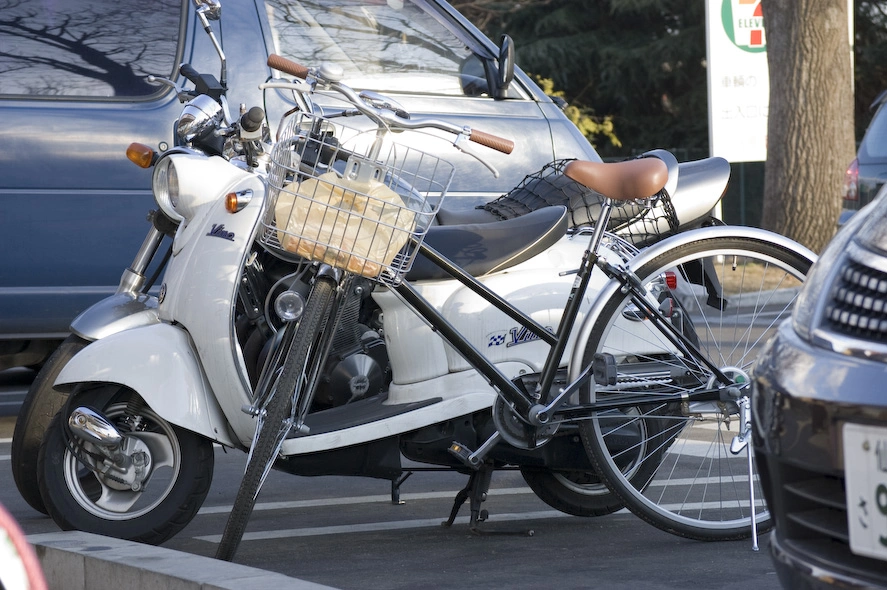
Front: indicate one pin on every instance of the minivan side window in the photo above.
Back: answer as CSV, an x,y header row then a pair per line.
x,y
88,48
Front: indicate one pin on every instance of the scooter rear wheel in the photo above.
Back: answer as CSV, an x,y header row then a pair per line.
x,y
574,493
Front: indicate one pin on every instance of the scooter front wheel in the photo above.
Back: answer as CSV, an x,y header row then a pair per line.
x,y
296,385
145,490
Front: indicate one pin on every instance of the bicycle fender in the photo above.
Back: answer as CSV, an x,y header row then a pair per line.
x,y
659,248
159,363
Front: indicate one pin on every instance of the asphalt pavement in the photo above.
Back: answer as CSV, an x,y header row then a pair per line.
x,y
346,533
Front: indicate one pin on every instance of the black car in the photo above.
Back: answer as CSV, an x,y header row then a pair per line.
x,y
868,171
820,416
74,94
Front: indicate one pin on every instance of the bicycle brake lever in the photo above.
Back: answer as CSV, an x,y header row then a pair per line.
x,y
461,145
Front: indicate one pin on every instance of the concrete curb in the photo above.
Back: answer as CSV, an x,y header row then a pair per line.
x,y
83,561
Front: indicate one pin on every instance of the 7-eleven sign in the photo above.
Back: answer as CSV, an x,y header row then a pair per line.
x,y
743,23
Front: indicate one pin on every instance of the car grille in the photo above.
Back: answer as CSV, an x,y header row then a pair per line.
x,y
858,307
815,522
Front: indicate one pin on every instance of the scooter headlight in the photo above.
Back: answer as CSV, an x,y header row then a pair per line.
x,y
166,188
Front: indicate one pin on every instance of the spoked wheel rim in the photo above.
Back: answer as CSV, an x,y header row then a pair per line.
x,y
696,487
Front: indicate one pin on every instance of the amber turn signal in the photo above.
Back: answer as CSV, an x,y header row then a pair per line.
x,y
234,202
141,155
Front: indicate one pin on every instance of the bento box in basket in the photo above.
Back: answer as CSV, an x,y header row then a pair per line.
x,y
349,198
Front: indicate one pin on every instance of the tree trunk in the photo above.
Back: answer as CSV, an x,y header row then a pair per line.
x,y
810,126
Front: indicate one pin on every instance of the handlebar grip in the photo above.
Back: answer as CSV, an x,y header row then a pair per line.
x,y
492,141
188,71
287,66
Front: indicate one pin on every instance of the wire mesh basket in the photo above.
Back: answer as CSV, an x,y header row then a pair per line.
x,y
350,198
641,222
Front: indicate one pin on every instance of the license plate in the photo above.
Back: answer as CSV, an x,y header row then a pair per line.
x,y
865,471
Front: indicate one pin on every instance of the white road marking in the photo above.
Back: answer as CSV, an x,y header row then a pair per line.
x,y
381,526
357,500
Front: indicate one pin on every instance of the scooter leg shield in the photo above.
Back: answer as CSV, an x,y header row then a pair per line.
x,y
159,362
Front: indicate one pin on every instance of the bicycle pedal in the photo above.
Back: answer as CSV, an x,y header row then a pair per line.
x,y
462,453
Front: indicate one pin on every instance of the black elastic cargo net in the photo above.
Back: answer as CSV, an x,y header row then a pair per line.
x,y
640,222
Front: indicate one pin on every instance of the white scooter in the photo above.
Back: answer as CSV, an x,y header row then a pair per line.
x,y
263,296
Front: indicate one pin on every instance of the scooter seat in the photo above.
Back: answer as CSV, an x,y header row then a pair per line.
x,y
482,248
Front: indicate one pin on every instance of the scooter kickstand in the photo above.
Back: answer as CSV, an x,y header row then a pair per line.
x,y
395,488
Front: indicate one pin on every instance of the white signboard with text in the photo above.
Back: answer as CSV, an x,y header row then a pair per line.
x,y
738,82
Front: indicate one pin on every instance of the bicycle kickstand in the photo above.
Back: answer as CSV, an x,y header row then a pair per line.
x,y
476,491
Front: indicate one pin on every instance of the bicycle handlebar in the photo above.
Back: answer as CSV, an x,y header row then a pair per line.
x,y
389,118
287,66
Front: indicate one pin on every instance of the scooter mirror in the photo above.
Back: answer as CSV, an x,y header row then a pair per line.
x,y
506,66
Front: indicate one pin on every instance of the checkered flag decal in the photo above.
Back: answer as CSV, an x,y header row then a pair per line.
x,y
496,340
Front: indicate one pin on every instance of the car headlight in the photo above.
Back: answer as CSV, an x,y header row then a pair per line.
x,y
808,309
166,188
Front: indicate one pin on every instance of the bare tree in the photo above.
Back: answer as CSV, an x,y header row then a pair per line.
x,y
810,138
88,48
484,13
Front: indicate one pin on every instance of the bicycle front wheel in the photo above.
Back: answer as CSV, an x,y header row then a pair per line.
x,y
727,295
295,387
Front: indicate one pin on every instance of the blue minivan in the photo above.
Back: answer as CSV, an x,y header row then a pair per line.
x,y
74,93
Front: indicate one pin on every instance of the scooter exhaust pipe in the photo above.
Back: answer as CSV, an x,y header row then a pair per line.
x,y
91,426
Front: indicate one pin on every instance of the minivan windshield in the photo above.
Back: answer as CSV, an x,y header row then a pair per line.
x,y
383,45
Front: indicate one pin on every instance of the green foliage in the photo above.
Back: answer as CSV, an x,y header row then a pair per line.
x,y
638,63
590,125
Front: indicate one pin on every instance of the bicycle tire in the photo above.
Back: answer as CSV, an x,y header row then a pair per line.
x,y
277,410
699,489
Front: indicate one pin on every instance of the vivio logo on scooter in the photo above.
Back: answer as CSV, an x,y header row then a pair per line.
x,y
513,337
218,231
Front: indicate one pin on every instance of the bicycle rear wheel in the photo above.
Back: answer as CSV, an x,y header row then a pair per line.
x,y
727,295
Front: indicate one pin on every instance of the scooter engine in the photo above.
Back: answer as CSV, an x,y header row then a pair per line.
x,y
357,365
355,373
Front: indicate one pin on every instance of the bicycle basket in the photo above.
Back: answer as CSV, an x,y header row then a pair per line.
x,y
641,222
351,199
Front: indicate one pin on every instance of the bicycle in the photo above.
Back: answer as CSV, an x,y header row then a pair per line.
x,y
658,378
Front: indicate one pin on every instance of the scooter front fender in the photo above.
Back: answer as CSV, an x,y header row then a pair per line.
x,y
119,312
158,362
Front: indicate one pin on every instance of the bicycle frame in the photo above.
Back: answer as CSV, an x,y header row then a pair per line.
x,y
534,408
